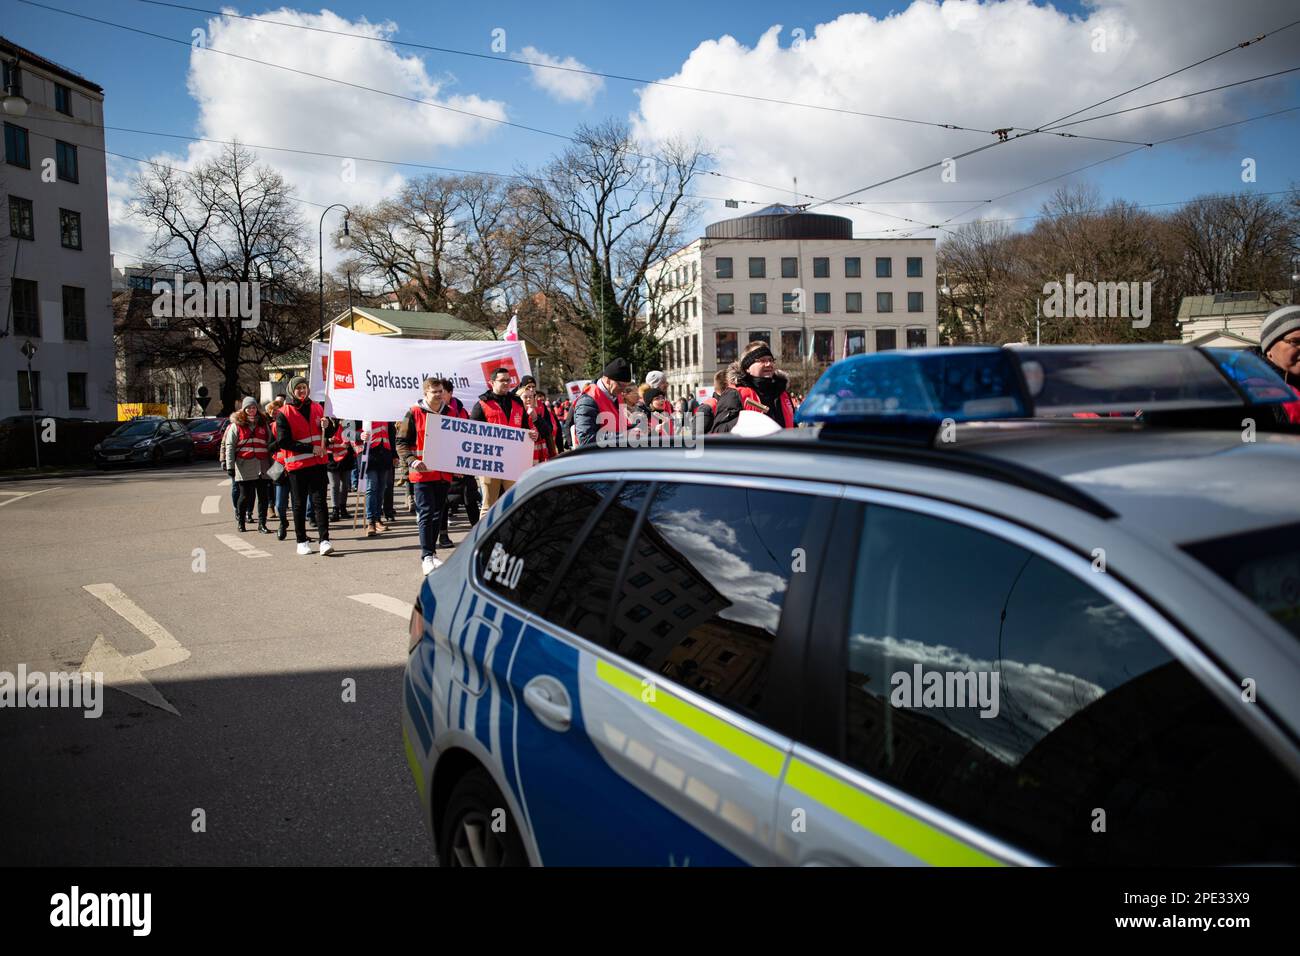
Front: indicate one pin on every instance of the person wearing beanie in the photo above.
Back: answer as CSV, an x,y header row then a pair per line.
x,y
596,410
659,413
299,427
656,379
762,388
246,451
1279,343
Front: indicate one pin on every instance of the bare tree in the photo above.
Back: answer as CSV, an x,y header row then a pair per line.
x,y
230,220
1238,243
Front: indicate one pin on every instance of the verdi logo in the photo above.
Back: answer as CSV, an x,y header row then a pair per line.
x,y
343,377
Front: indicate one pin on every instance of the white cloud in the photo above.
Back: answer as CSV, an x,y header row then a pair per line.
x,y
562,85
262,105
982,65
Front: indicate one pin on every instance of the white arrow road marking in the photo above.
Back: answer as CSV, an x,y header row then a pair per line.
x,y
385,603
125,672
20,495
236,543
210,504
225,482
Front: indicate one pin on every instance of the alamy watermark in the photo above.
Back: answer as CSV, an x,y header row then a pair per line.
x,y
211,300
1098,300
946,689
56,689
653,431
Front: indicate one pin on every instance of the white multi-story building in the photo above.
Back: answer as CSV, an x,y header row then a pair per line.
x,y
797,280
55,269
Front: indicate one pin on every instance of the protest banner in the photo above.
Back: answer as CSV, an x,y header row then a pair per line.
x,y
702,392
573,389
377,378
467,447
320,357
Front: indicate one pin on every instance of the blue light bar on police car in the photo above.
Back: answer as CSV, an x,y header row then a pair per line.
x,y
962,384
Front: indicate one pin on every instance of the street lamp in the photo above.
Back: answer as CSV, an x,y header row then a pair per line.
x,y
320,248
15,104
29,351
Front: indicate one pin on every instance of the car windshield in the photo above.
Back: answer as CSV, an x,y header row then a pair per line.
x,y
135,430
205,425
1263,565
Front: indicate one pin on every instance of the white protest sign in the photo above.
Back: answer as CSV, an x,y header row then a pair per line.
x,y
703,392
467,447
320,356
377,378
573,389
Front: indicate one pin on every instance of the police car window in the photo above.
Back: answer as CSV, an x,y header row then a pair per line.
x,y
992,684
520,557
705,584
584,592
1262,565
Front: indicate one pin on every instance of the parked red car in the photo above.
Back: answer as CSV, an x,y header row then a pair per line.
x,y
207,434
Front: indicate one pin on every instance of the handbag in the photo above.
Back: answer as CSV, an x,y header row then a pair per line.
x,y
276,471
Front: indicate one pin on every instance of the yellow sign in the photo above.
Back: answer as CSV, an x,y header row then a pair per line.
x,y
129,410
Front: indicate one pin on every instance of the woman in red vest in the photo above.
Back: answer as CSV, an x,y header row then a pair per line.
x,y
301,431
248,440
378,453
762,388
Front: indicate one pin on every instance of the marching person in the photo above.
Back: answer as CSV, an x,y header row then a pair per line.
x,y
544,444
597,408
499,406
762,388
428,486
1279,342
707,410
467,484
341,460
247,450
299,428
726,410
378,439
547,411
279,487
659,419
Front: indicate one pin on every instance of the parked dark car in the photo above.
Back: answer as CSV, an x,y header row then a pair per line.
x,y
207,434
145,440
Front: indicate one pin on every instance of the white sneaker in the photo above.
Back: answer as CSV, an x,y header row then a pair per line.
x,y
304,548
430,564
326,548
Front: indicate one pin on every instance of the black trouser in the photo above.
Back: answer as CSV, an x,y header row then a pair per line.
x,y
309,483
469,493
247,489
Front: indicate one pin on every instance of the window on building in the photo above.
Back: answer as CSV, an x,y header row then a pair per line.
x,y
852,267
789,267
788,303
855,341
757,267
27,389
822,303
792,345
27,310
824,345
726,347
76,389
16,152
853,302
21,218
74,313
63,99
886,340
916,338
722,267
726,303
70,229
761,335
914,267
695,269
1088,703
757,303
916,302
884,302
65,160
884,267
821,267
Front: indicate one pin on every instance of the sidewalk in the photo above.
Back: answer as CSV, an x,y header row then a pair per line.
x,y
59,471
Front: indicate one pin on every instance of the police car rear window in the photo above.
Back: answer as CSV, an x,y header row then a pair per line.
x,y
1262,565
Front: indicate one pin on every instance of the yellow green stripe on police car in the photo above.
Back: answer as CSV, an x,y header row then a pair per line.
x,y
905,831
732,739
413,762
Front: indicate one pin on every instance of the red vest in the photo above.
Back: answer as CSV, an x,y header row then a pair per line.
x,y
605,407
338,446
379,437
302,430
748,395
495,416
251,443
419,416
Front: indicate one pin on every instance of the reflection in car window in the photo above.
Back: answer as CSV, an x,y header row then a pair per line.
x,y
1088,711
135,430
538,532
1262,565
706,580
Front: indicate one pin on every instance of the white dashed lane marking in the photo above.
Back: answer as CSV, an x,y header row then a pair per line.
x,y
235,543
225,482
210,504
20,495
385,603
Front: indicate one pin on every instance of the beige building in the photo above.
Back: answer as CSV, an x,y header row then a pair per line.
x,y
1228,319
55,284
796,280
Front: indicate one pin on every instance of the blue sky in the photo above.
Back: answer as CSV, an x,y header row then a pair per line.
x,y
1017,63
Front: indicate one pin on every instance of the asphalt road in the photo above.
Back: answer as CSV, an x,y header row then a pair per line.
x,y
262,741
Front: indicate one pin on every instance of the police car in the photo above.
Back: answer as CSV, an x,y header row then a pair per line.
x,y
949,623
